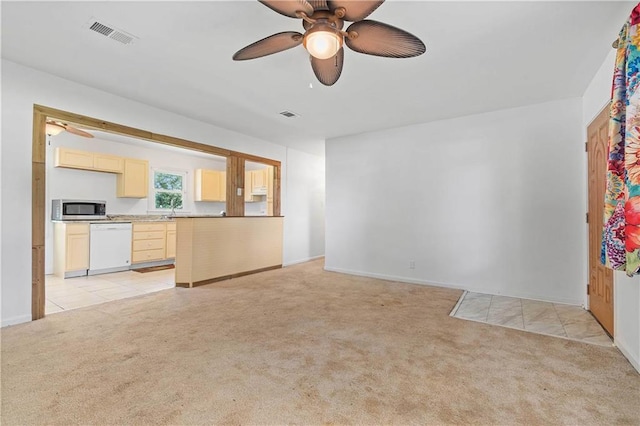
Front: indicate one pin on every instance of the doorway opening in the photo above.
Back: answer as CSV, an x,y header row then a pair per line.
x,y
233,185
138,258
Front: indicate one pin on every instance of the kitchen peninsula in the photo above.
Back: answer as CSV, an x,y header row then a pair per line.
x,y
213,248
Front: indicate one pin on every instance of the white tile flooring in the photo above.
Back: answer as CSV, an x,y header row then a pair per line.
x,y
71,293
570,322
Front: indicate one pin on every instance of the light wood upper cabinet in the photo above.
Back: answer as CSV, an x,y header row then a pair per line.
x,y
257,185
259,180
71,249
108,163
94,161
133,175
133,182
248,187
72,158
210,185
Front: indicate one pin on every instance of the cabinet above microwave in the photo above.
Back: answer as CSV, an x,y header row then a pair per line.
x,y
132,174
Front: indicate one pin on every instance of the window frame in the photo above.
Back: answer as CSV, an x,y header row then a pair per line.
x,y
184,174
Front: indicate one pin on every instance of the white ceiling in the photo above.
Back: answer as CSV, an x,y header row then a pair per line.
x,y
481,56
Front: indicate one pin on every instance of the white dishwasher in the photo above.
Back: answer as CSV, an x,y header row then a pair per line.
x,y
109,248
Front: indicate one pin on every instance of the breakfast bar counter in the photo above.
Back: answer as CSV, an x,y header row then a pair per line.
x,y
210,249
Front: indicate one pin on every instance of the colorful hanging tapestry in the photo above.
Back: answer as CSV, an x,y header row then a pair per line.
x,y
621,232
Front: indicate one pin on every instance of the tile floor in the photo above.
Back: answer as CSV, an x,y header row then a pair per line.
x,y
570,322
72,293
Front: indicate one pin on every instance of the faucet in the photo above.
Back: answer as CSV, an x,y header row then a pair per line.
x,y
173,208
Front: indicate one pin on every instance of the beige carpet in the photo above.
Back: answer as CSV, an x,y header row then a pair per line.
x,y
303,346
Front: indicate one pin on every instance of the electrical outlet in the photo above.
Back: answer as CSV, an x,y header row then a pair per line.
x,y
412,264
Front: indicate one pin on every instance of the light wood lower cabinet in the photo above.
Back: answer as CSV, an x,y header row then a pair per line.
x,y
171,240
148,242
153,241
71,249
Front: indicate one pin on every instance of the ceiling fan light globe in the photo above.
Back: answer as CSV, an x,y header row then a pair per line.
x,y
322,44
52,129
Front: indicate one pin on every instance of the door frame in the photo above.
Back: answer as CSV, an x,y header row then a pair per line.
x,y
235,180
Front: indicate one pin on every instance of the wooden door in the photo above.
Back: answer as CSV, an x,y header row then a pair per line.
x,y
600,277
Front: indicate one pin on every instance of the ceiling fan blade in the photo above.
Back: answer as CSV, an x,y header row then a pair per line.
x,y
356,10
319,4
289,7
269,45
78,132
376,38
328,70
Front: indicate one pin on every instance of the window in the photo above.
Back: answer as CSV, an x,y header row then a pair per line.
x,y
168,190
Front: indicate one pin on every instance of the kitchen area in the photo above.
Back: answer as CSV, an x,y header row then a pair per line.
x,y
116,206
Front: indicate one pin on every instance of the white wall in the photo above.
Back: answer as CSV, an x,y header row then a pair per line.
x,y
598,93
22,87
626,291
491,203
87,185
303,169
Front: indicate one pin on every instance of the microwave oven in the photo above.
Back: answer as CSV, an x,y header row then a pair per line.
x,y
78,209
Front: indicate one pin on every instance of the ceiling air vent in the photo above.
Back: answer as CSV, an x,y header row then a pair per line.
x,y
289,114
109,31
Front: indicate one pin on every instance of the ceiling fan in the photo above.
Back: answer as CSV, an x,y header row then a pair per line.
x,y
56,127
323,38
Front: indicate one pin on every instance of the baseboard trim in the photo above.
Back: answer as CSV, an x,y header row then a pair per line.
x,y
393,278
627,354
226,277
306,259
152,263
16,320
409,280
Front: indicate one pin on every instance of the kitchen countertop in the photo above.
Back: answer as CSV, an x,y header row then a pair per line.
x,y
123,219
214,216
139,218
148,218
